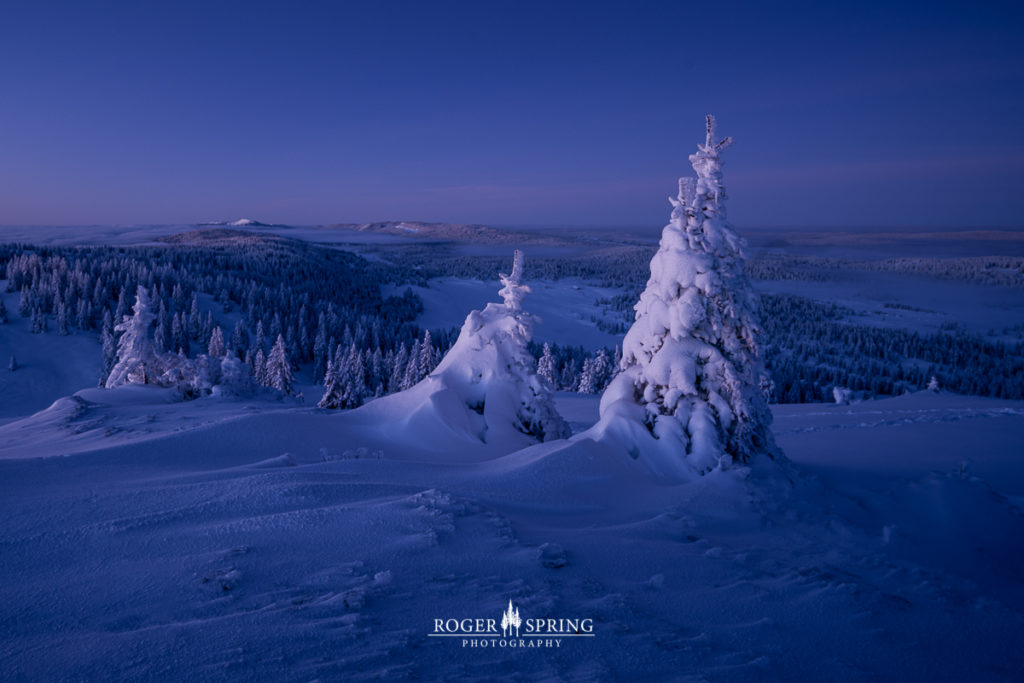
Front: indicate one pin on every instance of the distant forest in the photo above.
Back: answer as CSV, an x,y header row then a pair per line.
x,y
327,304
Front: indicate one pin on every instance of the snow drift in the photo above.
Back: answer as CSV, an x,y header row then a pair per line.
x,y
484,391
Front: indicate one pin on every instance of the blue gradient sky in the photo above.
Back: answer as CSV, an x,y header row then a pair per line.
x,y
509,113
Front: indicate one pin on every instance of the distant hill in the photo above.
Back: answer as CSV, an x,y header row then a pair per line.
x,y
243,223
456,232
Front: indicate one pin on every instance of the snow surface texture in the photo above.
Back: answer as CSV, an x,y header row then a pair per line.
x,y
227,540
485,389
691,391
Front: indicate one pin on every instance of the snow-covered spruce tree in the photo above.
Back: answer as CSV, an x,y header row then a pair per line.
x,y
137,359
492,372
546,365
216,346
596,373
691,391
332,388
278,369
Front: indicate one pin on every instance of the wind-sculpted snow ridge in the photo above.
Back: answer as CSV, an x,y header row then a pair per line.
x,y
690,396
484,391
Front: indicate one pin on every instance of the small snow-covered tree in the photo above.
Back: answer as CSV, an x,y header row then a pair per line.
x,y
195,319
235,378
240,339
691,391
842,395
3,312
398,369
546,365
320,350
137,359
596,373
179,334
63,320
332,388
427,359
259,368
933,384
38,323
412,375
216,346
279,369
162,336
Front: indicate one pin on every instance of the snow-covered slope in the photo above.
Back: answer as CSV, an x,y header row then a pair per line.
x,y
250,544
48,365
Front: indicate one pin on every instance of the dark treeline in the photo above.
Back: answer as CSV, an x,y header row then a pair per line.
x,y
810,349
327,306
1002,271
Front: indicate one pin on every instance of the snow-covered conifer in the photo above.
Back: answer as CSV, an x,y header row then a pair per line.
x,y
162,336
546,365
596,373
261,338
63,319
137,360
493,374
279,369
398,369
240,339
259,368
109,351
332,388
412,375
25,302
216,346
38,321
320,350
3,312
842,395
933,384
195,319
427,357
692,385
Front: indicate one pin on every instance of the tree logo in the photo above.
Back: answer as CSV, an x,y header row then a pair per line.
x,y
510,620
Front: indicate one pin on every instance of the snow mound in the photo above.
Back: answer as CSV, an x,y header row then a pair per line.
x,y
484,391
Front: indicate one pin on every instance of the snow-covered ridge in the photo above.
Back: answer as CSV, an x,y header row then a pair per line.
x,y
243,223
460,232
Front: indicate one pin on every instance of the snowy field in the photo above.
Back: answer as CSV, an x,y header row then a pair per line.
x,y
221,540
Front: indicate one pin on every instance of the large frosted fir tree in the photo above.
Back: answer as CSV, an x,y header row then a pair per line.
x,y
137,359
691,391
